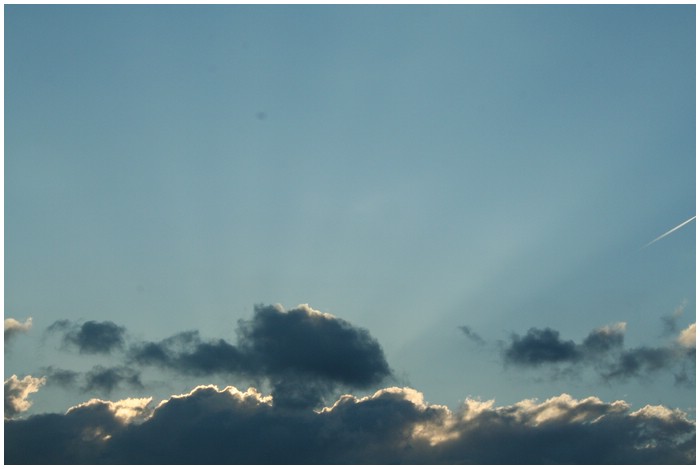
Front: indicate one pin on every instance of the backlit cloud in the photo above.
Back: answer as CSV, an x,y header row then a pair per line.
x,y
17,392
13,327
391,426
687,337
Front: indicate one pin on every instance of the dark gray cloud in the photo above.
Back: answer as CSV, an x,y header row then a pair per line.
x,y
90,337
471,335
314,344
393,426
540,346
188,353
106,380
17,392
305,354
603,349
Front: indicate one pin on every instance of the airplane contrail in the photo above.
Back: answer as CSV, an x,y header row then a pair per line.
x,y
671,231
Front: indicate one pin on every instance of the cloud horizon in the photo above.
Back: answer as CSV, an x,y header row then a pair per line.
x,y
390,426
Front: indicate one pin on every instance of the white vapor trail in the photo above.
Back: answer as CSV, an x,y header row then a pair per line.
x,y
671,231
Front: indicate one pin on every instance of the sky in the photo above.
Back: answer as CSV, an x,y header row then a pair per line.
x,y
442,213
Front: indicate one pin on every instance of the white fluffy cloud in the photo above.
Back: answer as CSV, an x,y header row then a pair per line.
x,y
13,327
687,337
16,393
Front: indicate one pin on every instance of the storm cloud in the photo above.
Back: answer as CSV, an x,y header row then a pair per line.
x,y
391,426
90,337
304,354
17,392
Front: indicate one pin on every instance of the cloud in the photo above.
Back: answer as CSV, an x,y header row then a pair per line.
x,y
471,335
107,380
304,354
602,349
670,322
640,361
313,344
59,376
687,337
14,327
17,391
188,353
604,339
391,426
100,379
540,346
91,337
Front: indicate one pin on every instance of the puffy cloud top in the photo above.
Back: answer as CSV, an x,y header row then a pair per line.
x,y
13,327
687,337
392,426
16,393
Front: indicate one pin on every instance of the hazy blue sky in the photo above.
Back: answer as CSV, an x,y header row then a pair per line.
x,y
409,169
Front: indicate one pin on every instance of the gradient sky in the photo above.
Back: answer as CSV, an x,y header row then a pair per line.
x,y
408,169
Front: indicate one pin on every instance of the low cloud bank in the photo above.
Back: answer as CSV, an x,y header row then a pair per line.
x,y
392,426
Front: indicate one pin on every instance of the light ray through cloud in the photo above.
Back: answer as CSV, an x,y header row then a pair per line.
x,y
670,231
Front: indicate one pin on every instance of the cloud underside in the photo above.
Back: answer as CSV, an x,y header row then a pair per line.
x,y
393,426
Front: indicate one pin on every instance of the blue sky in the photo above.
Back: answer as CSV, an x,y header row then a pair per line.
x,y
409,169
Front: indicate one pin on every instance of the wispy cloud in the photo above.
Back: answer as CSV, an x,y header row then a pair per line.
x,y
471,335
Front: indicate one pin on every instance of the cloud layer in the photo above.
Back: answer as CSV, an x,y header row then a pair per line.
x,y
392,426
